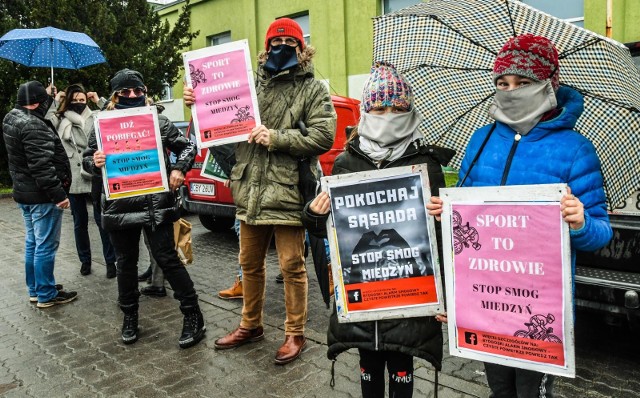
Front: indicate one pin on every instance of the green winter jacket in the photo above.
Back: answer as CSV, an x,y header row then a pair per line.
x,y
264,181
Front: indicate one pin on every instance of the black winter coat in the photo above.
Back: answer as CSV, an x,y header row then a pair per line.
x,y
420,337
38,163
153,209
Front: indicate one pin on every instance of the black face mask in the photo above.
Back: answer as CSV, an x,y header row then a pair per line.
x,y
281,58
77,107
126,102
43,108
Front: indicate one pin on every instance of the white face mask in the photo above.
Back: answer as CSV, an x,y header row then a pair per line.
x,y
388,128
387,136
522,108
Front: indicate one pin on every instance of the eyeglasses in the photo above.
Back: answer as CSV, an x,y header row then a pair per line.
x,y
289,41
126,92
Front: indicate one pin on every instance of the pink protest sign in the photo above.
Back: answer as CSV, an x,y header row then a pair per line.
x,y
509,293
226,107
133,148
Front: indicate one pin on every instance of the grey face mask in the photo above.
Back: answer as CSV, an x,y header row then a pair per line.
x,y
522,108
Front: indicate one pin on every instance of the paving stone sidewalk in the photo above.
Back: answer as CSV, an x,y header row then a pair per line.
x,y
74,350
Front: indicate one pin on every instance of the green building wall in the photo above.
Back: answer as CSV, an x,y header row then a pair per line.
x,y
625,19
341,31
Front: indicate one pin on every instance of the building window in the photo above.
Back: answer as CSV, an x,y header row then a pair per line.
x,y
220,38
569,10
394,5
303,21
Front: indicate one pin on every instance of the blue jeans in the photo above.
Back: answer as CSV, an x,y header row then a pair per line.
x,y
43,223
81,229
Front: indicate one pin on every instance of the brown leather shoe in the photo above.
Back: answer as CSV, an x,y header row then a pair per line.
x,y
291,349
239,337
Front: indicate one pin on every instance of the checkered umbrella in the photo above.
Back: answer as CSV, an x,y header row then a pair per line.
x,y
446,49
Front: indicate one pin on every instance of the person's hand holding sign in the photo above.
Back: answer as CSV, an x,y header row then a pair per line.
x,y
99,159
572,210
176,179
260,135
320,204
435,207
188,96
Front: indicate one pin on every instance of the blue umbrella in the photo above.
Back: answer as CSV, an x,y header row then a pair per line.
x,y
50,47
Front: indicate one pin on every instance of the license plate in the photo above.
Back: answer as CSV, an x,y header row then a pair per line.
x,y
203,189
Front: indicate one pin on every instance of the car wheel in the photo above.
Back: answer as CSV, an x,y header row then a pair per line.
x,y
216,224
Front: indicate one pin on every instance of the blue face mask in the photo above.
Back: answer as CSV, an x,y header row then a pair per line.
x,y
281,58
127,102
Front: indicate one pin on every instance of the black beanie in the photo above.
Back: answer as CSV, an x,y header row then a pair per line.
x,y
32,92
126,78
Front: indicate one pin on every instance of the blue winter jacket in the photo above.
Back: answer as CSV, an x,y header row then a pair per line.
x,y
550,153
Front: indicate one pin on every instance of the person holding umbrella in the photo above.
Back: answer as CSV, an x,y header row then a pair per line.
x,y
386,136
73,120
532,141
125,218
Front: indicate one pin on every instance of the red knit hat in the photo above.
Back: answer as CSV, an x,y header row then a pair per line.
x,y
530,56
284,27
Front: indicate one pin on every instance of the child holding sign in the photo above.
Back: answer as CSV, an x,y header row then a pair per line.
x,y
387,136
533,142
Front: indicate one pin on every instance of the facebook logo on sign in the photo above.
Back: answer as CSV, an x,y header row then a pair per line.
x,y
471,338
355,296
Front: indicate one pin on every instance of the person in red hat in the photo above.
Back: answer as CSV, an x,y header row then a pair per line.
x,y
298,120
533,141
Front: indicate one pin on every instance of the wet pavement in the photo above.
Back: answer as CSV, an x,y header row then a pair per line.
x,y
74,350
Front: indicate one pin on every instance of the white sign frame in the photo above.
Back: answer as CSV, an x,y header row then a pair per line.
x,y
120,113
218,50
536,194
397,312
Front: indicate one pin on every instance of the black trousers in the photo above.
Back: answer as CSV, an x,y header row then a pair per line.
x,y
127,245
400,367
508,382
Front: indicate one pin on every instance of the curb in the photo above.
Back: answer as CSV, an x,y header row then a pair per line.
x,y
6,195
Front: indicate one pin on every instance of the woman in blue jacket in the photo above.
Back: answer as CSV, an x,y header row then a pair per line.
x,y
533,142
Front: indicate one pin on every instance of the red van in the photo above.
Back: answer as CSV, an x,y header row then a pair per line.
x,y
212,201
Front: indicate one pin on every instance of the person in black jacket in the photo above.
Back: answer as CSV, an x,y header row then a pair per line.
x,y
387,136
125,218
41,177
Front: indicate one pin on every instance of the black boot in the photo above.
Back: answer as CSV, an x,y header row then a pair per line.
x,y
145,275
193,328
130,323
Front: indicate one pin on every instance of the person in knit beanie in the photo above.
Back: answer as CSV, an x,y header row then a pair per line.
x,y
530,56
533,141
386,87
387,136
389,122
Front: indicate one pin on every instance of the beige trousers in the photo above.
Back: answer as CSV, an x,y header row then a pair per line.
x,y
254,243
